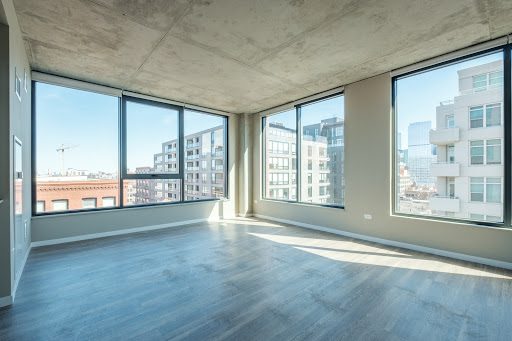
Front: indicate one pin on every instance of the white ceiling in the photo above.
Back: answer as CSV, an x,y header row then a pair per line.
x,y
244,56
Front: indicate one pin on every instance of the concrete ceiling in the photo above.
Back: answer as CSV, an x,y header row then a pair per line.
x,y
244,56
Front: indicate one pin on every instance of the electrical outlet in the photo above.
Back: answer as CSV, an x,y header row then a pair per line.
x,y
368,216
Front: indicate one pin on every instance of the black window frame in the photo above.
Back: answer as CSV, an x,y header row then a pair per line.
x,y
122,150
506,49
298,152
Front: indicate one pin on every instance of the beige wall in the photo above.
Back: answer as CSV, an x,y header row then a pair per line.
x,y
83,223
368,176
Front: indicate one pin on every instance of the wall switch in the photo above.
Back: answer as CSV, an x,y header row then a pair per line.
x,y
368,216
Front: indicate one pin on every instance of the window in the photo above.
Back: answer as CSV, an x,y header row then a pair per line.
x,y
78,135
207,134
318,155
493,190
476,116
109,201
477,189
431,174
280,132
89,203
77,143
493,151
149,128
322,123
479,82
477,152
450,121
40,206
492,115
60,205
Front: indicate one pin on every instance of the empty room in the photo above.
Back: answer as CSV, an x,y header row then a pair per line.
x,y
255,170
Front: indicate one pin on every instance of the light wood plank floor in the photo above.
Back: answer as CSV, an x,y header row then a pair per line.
x,y
253,280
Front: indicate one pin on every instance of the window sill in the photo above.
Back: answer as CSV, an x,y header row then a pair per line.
x,y
116,209
302,203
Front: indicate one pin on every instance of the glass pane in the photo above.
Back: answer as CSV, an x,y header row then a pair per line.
x,y
280,143
151,191
205,156
151,139
493,115
431,151
323,151
76,147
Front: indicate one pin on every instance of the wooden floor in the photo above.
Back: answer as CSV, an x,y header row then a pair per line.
x,y
253,280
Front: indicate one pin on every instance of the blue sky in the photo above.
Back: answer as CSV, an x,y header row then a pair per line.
x,y
88,122
419,95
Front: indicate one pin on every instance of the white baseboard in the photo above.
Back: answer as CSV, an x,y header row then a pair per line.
x,y
5,301
116,232
438,252
20,273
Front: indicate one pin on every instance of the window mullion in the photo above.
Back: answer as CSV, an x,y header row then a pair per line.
x,y
507,136
298,159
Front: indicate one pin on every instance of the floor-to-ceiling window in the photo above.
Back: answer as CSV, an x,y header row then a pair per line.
x,y
449,133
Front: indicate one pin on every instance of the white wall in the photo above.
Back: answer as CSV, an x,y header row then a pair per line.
x,y
368,186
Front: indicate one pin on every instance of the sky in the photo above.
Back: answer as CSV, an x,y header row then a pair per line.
x,y
88,123
418,95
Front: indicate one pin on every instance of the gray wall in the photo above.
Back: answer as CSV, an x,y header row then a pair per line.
x,y
15,121
76,224
368,185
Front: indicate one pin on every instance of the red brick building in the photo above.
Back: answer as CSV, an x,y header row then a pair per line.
x,y
77,194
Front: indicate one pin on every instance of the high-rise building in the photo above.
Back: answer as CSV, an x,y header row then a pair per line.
x,y
468,136
421,153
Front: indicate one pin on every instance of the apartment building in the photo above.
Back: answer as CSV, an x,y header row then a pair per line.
x,y
204,169
468,136
329,172
421,153
321,162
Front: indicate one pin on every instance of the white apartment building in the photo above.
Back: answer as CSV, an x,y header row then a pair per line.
x,y
469,139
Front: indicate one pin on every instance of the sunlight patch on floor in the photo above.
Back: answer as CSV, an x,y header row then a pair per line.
x,y
353,252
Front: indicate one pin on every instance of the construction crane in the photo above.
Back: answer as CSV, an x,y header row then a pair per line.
x,y
60,150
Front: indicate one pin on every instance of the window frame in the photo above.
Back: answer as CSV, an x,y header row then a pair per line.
x,y
506,49
298,153
121,131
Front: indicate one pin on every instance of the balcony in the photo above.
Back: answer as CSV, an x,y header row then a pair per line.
x,y
445,169
446,204
444,136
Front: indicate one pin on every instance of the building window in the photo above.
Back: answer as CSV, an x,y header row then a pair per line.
x,y
431,177
450,121
89,203
76,146
477,152
40,207
109,201
60,205
493,152
78,135
476,116
492,115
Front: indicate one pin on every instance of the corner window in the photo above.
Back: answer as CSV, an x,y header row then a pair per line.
x,y
78,136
